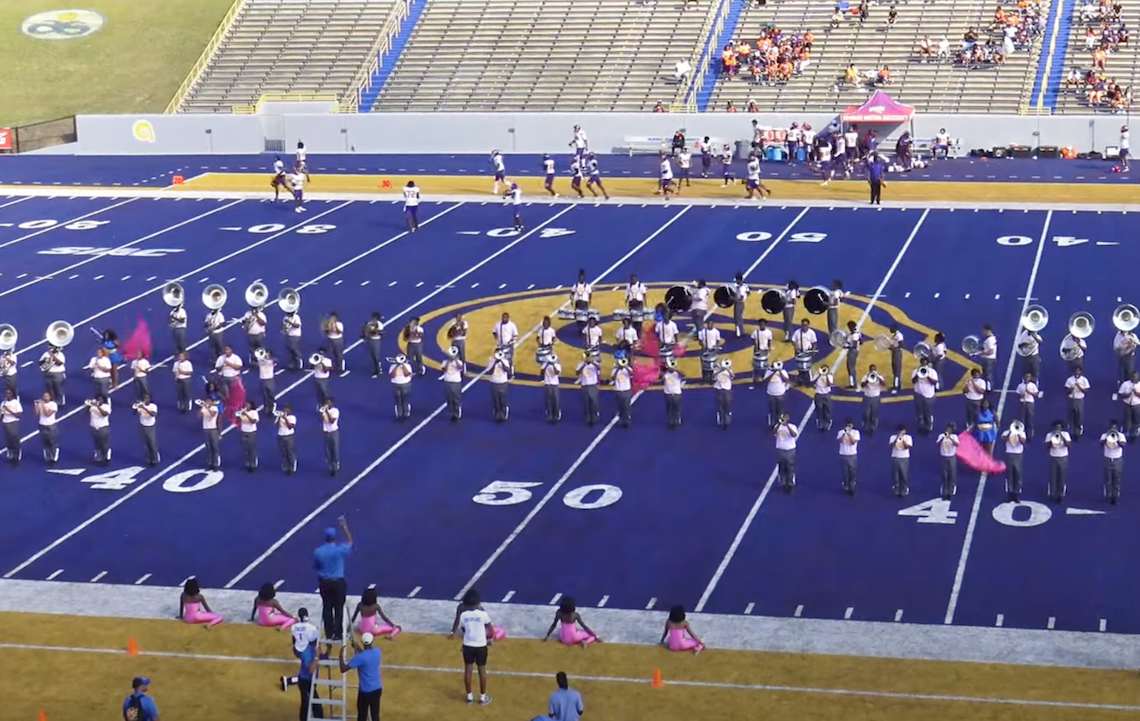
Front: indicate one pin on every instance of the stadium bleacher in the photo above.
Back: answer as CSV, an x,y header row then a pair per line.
x,y
934,86
306,47
1122,63
544,55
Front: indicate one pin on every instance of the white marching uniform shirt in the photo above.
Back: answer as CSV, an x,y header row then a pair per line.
x,y
256,320
621,379
989,347
1077,386
250,425
149,418
851,448
452,370
762,339
400,379
230,366
551,374
547,336
58,364
1057,441
294,325
506,333
11,411
786,435
804,340
215,320
592,336
265,369
324,369
140,367
183,369
1028,392
499,373
903,440
587,374
667,332
582,292
178,317
722,380
47,413
1113,444
1014,442
1074,345
627,335
976,389
286,425
1122,339
210,417
337,331
710,338
948,445
635,292
100,420
925,387
672,382
332,423
701,299
1130,393
411,197
666,170
872,386
824,383
778,383
100,367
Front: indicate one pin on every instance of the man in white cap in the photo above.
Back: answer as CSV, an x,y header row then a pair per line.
x,y
305,637
366,660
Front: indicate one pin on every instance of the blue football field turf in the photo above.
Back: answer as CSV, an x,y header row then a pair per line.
x,y
632,518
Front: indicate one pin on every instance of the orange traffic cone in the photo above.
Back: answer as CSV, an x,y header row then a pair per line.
x,y
132,647
43,716
657,682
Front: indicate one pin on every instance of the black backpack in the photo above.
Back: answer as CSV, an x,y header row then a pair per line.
x,y
135,711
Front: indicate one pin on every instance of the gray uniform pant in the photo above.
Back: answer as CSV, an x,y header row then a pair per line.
x,y
150,444
402,397
1028,412
551,406
871,413
1031,364
789,321
49,436
288,453
323,394
738,317
102,438
896,368
823,411
142,387
775,409
336,354
1127,366
332,450
924,413
949,475
225,386
853,367
1058,476
53,383
416,357
12,440
500,404
461,344
786,467
179,335
249,450
255,342
723,407
1075,364
850,466
900,475
375,356
1076,416
1113,472
213,447
988,369
625,407
102,386
269,394
10,384
453,391
1131,420
972,409
293,346
590,403
217,343
673,409
832,320
182,386
1013,478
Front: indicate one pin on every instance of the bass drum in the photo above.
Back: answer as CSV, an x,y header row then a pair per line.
x,y
722,296
772,302
678,299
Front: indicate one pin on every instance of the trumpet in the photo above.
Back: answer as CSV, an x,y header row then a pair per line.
x,y
1017,427
1056,439
260,354
278,414
316,359
136,406
203,403
778,366
874,377
923,372
90,402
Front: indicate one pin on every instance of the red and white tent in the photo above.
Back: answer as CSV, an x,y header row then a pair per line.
x,y
879,108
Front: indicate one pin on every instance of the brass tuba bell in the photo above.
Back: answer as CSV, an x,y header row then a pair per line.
x,y
173,294
59,334
1126,318
256,294
289,300
214,296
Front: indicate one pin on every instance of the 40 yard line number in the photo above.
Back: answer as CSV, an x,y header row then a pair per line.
x,y
583,498
1023,514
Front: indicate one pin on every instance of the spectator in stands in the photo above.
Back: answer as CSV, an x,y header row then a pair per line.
x,y
884,76
658,108
752,106
892,16
851,75
864,11
681,71
692,3
836,18
944,48
729,107
925,49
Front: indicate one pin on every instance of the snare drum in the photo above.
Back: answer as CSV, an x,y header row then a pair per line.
x,y
759,360
804,360
565,314
543,354
666,351
637,311
621,314
708,360
594,313
581,310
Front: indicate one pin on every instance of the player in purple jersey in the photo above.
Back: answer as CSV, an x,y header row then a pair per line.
x,y
514,198
576,175
595,176
412,206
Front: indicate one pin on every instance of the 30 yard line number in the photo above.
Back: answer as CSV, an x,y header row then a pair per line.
x,y
583,498
1022,514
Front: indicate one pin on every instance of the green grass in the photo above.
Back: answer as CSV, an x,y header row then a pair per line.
x,y
134,64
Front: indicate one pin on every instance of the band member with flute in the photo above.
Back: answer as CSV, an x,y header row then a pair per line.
x,y
452,378
291,329
101,367
147,411
46,410
1027,395
10,412
248,418
786,434
1077,386
140,370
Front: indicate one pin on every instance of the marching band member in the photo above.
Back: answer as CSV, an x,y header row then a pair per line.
x,y
500,171
1015,441
790,294
506,334
401,375
854,341
777,381
872,387
211,412
100,367
547,337
55,376
514,195
215,332
254,322
786,434
938,357
452,378
711,344
667,336
1075,348
591,337
988,357
99,413
267,374
500,371
673,382
286,428
334,333
297,184
1125,344
849,455
740,293
1129,393
140,369
975,392
229,367
588,375
761,348
925,382
1027,394
824,380
322,372
806,344
622,379
10,412
183,378
1058,441
1077,386
414,341
178,321
248,418
551,373
722,387
412,206
291,329
8,370
834,300
1029,347
1113,443
46,410
627,339
330,427
580,296
635,292
147,411
372,334
700,304
896,337
948,449
457,334
901,443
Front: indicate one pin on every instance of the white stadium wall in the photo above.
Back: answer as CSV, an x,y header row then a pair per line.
x,y
462,133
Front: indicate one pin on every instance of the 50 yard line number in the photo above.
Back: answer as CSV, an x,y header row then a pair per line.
x,y
583,498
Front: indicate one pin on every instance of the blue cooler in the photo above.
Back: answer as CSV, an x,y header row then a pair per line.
x,y
775,154
801,154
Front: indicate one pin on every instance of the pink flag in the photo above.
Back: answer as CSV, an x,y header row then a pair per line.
x,y
138,341
650,345
971,453
645,374
236,401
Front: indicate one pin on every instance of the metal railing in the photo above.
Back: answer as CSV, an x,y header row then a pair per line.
x,y
362,83
291,98
686,97
205,57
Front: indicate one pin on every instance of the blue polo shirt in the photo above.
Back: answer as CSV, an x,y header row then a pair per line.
x,y
566,705
150,709
329,559
367,665
306,658
875,170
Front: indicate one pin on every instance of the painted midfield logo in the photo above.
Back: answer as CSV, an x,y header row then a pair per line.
x,y
62,24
